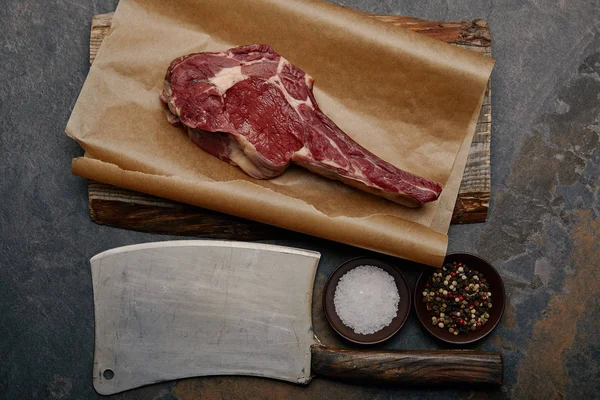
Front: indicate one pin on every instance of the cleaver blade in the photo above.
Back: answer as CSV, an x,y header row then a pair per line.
x,y
178,309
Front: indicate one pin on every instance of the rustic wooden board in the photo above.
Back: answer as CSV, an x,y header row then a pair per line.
x,y
127,209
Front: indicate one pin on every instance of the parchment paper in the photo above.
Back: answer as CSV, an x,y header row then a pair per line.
x,y
412,100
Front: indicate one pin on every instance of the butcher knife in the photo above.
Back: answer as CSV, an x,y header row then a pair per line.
x,y
178,309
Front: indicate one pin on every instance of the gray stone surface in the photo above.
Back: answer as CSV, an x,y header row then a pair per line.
x,y
542,232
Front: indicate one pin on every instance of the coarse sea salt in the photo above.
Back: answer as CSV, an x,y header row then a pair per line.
x,y
366,299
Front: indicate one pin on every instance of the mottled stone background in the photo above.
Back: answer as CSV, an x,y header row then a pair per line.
x,y
543,230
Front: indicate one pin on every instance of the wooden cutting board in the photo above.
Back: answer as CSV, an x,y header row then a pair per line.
x,y
127,209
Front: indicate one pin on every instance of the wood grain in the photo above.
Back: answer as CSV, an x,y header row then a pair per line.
x,y
450,367
101,24
113,206
127,209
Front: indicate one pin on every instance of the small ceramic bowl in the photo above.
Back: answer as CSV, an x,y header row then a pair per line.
x,y
496,288
385,333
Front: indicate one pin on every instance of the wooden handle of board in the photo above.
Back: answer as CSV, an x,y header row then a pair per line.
x,y
440,367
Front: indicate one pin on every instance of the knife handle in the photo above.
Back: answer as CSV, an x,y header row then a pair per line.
x,y
437,367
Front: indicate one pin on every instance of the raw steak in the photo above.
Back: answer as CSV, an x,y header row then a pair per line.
x,y
252,108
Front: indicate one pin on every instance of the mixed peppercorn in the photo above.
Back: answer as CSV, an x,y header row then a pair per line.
x,y
458,299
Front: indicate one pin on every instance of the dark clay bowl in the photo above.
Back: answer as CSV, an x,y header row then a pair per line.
x,y
346,332
496,288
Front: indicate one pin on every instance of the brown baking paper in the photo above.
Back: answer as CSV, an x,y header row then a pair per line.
x,y
412,100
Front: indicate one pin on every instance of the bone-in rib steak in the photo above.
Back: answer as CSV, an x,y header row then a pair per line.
x,y
252,108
